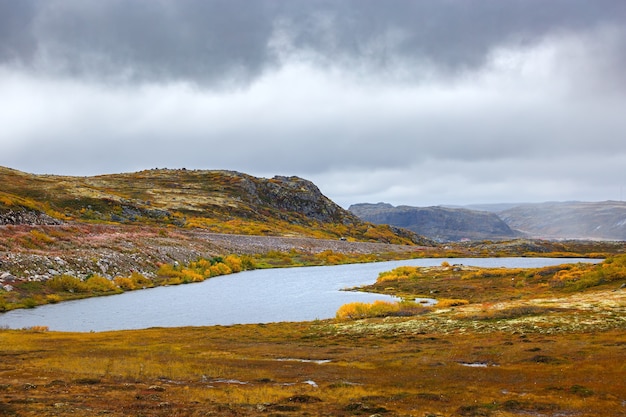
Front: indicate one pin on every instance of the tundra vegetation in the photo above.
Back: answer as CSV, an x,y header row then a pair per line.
x,y
498,342
501,342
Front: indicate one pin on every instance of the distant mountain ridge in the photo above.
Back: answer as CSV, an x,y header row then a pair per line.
x,y
438,223
604,220
551,220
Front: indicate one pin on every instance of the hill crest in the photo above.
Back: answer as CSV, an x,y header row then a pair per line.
x,y
438,223
218,201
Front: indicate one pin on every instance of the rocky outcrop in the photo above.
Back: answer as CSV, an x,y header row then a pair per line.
x,y
438,223
27,217
294,194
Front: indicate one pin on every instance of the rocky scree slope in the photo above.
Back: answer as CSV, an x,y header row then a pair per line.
x,y
438,223
117,224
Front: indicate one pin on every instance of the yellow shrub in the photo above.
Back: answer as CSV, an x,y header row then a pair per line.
x,y
234,263
402,272
189,275
379,308
97,283
53,298
66,283
219,269
451,302
140,281
168,271
331,258
124,283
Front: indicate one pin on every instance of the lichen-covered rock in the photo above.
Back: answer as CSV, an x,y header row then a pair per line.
x,y
295,194
28,217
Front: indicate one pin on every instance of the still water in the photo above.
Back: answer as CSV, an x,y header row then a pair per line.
x,y
260,296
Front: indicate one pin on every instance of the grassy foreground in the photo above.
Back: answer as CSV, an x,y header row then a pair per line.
x,y
314,369
567,358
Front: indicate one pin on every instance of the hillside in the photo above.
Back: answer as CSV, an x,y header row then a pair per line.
x,y
438,223
569,220
217,201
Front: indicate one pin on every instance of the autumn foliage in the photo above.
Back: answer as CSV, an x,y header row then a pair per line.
x,y
379,308
198,271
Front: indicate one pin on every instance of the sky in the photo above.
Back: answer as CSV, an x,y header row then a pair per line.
x,y
422,103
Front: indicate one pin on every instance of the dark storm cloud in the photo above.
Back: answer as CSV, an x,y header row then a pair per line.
x,y
145,40
410,102
229,41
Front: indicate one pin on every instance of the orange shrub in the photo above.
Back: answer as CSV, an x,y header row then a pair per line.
x,y
379,308
450,302
234,263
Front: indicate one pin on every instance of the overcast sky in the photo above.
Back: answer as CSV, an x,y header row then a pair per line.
x,y
423,102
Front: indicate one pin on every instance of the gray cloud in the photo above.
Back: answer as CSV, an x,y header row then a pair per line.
x,y
410,102
227,42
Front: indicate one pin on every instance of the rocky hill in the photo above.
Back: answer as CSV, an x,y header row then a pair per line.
x,y
569,220
438,223
217,201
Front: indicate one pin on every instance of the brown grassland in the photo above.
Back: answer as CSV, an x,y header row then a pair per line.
x,y
554,345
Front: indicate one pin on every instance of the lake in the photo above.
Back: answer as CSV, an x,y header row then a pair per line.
x,y
259,296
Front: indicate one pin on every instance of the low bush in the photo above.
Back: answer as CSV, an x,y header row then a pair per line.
x,y
66,283
451,302
359,310
97,283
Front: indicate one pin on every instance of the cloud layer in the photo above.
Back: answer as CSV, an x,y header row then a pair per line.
x,y
413,102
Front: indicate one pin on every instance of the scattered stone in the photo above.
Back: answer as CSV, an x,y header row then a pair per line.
x,y
7,277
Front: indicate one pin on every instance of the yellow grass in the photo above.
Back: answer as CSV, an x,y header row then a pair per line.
x,y
486,359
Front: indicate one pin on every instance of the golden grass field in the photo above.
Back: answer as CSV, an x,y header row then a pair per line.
x,y
559,352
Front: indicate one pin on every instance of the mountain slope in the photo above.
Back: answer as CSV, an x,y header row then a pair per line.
x,y
569,220
219,201
439,223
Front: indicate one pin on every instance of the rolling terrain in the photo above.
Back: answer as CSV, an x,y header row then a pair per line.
x,y
216,201
604,220
438,223
499,342
125,225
